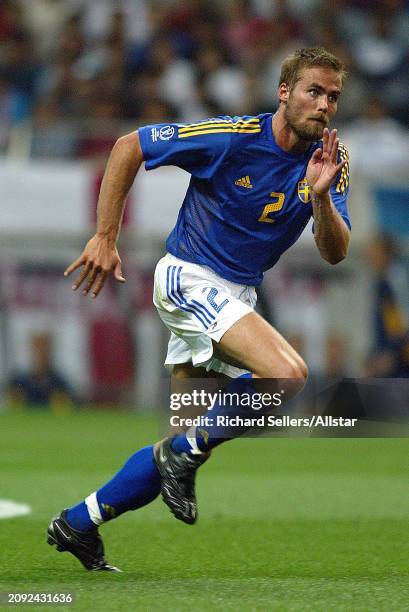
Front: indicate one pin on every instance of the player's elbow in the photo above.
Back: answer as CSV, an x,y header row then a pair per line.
x,y
335,254
129,145
335,258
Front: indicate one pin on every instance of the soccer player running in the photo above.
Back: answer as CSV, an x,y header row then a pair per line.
x,y
255,183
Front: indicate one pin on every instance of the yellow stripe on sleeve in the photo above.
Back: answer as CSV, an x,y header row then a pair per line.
x,y
222,124
254,130
344,178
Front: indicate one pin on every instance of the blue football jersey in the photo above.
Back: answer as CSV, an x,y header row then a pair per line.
x,y
247,200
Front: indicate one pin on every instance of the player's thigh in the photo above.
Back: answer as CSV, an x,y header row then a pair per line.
x,y
260,348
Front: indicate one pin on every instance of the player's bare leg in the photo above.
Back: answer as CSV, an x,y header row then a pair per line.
x,y
256,346
260,348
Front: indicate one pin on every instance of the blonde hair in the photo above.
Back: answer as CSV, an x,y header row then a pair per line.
x,y
309,57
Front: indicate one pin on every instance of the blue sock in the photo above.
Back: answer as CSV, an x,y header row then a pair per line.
x,y
136,484
202,439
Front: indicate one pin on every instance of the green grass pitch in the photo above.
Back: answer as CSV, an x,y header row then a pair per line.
x,y
284,524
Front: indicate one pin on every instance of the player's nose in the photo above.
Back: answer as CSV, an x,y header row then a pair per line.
x,y
323,104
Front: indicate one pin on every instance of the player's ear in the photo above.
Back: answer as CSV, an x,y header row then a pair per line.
x,y
283,92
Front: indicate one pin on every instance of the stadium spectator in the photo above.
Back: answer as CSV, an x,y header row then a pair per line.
x,y
14,108
242,28
223,83
389,356
19,67
378,53
143,101
176,77
375,130
97,17
45,19
42,385
336,356
98,49
11,20
52,137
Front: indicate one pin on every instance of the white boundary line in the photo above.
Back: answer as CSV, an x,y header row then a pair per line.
x,y
10,509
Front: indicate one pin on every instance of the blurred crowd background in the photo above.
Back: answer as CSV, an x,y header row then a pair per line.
x,y
76,74
80,62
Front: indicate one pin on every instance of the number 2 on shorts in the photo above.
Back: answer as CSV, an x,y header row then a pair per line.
x,y
211,299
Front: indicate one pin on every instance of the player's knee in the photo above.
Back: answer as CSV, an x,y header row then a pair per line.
x,y
291,373
302,369
288,368
294,380
296,374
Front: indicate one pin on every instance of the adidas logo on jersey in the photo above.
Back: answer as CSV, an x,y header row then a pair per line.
x,y
244,182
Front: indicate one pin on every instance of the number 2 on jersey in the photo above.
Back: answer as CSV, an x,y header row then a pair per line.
x,y
272,207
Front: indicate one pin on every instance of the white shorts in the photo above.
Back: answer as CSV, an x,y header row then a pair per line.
x,y
198,306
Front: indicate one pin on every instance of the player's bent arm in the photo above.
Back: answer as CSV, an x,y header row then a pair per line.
x,y
330,230
100,256
123,164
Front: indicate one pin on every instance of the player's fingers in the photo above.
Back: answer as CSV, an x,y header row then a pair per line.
x,y
317,155
102,276
325,137
82,276
75,265
331,140
90,281
334,151
118,273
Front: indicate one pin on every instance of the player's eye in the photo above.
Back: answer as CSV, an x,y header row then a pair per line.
x,y
313,92
333,99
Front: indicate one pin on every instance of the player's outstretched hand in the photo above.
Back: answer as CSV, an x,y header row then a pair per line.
x,y
99,259
323,168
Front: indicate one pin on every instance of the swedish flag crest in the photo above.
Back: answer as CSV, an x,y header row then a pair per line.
x,y
304,191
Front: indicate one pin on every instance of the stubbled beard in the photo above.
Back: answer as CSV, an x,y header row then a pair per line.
x,y
308,132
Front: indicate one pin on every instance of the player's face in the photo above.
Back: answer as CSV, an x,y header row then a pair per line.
x,y
312,102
